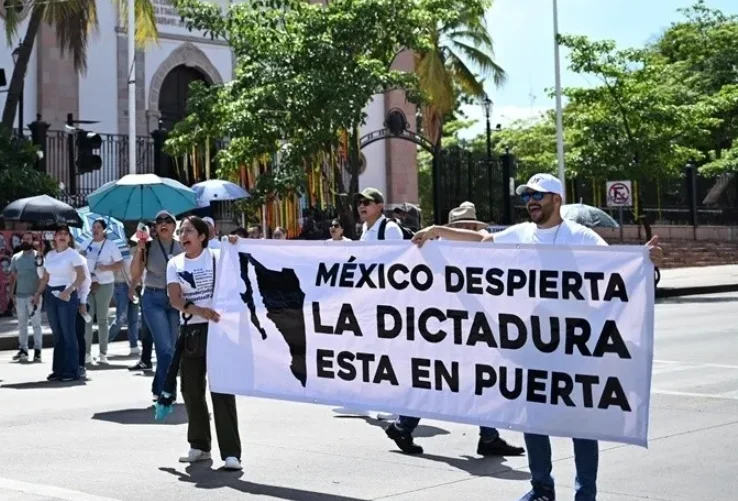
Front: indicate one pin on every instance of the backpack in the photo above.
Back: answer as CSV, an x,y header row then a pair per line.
x,y
407,233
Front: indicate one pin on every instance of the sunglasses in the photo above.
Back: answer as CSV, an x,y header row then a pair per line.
x,y
536,195
162,220
366,203
335,226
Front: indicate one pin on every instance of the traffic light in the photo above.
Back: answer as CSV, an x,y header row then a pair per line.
x,y
87,160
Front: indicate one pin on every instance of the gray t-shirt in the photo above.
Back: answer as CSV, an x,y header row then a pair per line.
x,y
23,264
156,262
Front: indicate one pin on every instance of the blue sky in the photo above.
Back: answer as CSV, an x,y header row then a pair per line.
x,y
523,35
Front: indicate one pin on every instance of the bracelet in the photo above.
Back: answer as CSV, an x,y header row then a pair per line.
x,y
187,305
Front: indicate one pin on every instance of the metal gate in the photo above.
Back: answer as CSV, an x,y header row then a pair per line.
x,y
467,176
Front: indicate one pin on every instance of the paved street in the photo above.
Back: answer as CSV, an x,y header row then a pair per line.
x,y
98,442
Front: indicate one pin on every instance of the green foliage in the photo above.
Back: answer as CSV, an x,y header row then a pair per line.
x,y
304,73
652,109
18,177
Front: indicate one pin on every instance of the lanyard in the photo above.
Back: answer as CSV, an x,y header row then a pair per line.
x,y
171,249
102,246
187,317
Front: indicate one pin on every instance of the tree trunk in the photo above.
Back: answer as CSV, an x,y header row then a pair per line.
x,y
21,67
346,209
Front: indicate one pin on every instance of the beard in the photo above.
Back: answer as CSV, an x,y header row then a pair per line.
x,y
26,246
539,214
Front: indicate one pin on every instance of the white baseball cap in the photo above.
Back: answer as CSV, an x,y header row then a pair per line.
x,y
209,221
544,183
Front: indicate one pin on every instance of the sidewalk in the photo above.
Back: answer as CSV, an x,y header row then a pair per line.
x,y
699,280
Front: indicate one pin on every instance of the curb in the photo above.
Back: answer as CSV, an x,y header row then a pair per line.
x,y
10,343
663,292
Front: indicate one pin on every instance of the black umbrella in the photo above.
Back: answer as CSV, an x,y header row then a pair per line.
x,y
42,210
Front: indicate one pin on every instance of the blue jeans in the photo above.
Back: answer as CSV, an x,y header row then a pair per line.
x,y
163,323
126,311
62,317
409,424
586,457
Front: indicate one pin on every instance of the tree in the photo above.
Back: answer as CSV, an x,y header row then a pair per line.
x,y
445,69
73,21
18,177
303,76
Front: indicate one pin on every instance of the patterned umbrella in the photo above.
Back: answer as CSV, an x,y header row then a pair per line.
x,y
116,232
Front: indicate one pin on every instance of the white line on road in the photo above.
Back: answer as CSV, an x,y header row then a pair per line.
x,y
49,491
696,365
719,396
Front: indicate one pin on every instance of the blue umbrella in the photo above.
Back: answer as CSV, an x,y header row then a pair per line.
x,y
115,232
138,197
216,190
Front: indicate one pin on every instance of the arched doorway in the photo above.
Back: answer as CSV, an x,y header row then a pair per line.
x,y
174,93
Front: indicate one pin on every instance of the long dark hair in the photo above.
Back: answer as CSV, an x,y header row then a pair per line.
x,y
201,227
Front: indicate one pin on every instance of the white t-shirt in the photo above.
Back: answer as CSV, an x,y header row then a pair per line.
x,y
342,238
103,252
61,267
391,232
213,243
567,233
84,288
195,277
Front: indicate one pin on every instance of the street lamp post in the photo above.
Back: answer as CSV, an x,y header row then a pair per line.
x,y
559,111
487,103
16,55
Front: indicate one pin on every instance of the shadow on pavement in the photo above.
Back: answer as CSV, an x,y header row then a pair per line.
x,y
105,367
422,431
478,466
35,385
204,477
697,299
143,416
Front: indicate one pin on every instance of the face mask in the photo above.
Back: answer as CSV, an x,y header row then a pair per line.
x,y
26,246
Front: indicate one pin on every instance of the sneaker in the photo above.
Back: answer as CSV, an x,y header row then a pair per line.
x,y
82,373
103,359
53,377
194,456
21,356
140,366
36,355
498,447
88,360
232,463
135,351
403,439
69,379
539,494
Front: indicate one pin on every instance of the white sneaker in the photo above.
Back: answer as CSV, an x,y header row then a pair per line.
x,y
194,456
88,360
103,359
135,351
232,463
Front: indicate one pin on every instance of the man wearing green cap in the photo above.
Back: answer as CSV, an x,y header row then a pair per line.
x,y
370,204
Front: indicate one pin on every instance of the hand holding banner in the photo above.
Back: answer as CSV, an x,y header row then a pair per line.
x,y
549,340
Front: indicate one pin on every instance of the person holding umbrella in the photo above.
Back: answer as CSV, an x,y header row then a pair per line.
x,y
162,319
64,273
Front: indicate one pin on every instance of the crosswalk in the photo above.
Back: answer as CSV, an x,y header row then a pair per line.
x,y
703,380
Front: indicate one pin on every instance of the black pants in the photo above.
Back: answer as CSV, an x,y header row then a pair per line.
x,y
192,373
147,342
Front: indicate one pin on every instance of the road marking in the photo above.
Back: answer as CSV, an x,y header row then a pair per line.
x,y
719,396
696,365
49,491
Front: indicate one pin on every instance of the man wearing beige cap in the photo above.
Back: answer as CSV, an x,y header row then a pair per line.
x,y
490,443
370,204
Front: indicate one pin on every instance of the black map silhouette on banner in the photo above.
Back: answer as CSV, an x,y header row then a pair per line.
x,y
284,301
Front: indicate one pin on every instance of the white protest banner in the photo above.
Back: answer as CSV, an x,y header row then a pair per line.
x,y
539,339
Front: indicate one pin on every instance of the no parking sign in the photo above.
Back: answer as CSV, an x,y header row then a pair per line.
x,y
619,194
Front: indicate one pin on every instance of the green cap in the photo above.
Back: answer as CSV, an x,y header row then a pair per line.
x,y
372,194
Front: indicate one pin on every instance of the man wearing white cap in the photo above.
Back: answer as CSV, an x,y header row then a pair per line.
x,y
213,242
542,197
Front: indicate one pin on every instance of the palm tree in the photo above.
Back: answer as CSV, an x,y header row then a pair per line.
x,y
443,68
73,21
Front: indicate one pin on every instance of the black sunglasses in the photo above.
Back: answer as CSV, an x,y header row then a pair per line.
x,y
365,202
162,220
335,226
536,195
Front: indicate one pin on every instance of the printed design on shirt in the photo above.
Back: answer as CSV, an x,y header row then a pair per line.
x,y
197,284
